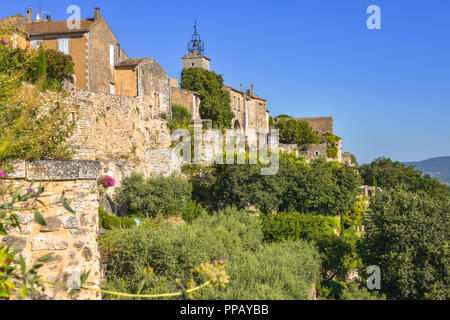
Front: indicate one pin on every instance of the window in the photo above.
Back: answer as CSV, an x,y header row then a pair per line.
x,y
63,45
111,89
111,55
36,43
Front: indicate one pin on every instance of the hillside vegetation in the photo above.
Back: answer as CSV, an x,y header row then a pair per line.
x,y
438,168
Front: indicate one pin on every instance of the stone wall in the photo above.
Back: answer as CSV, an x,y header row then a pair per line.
x,y
122,133
347,158
71,237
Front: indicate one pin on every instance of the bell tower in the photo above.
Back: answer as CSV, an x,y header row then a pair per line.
x,y
196,49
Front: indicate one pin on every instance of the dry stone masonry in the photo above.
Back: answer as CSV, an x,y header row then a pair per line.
x,y
71,237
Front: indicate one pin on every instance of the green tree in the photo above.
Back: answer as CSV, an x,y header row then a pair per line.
x,y
320,187
408,237
215,102
390,175
154,195
296,132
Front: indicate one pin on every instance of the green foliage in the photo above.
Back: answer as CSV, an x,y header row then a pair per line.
x,y
320,187
354,160
152,196
332,140
330,290
293,226
110,222
338,253
181,118
191,211
296,132
282,116
356,215
355,292
42,69
275,271
29,129
271,123
278,271
215,102
47,68
408,237
390,175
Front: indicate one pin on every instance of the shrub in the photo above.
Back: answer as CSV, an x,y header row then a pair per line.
x,y
339,254
278,271
28,130
191,211
234,235
298,132
110,222
152,196
354,292
180,118
294,226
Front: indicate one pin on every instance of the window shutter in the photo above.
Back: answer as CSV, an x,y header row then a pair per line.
x,y
63,45
111,55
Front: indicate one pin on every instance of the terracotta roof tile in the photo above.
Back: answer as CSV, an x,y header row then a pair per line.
x,y
56,27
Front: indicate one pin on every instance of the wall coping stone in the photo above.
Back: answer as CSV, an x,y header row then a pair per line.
x,y
54,170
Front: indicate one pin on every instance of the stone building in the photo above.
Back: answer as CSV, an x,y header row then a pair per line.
x,y
101,65
250,110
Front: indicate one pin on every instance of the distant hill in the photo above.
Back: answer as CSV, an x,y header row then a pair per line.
x,y
435,167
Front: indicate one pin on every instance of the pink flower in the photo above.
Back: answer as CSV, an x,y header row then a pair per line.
x,y
108,181
29,190
4,42
2,174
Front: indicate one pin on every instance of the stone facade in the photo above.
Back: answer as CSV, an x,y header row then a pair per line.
x,y
71,237
196,60
250,110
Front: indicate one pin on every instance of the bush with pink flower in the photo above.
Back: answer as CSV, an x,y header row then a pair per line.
x,y
107,181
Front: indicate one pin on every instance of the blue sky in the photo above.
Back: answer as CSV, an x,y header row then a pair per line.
x,y
388,90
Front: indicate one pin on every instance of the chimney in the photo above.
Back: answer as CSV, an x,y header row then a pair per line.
x,y
253,89
97,14
49,18
29,15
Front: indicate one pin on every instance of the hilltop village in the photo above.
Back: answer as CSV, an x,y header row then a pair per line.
x,y
104,72
120,108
